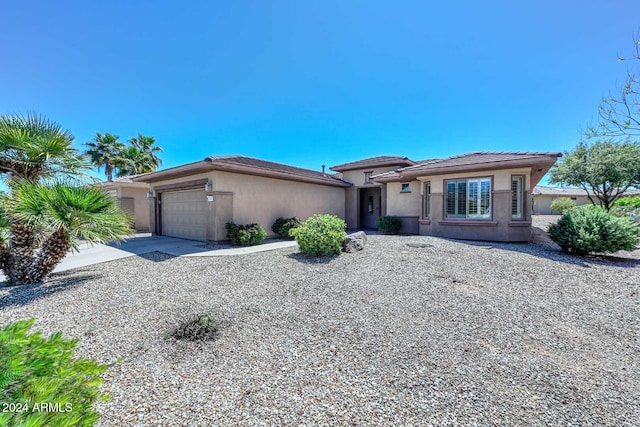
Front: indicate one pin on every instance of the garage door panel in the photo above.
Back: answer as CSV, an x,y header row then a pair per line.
x,y
184,214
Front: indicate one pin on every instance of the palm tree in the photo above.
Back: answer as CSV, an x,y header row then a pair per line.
x,y
105,151
53,218
133,161
32,146
146,145
41,216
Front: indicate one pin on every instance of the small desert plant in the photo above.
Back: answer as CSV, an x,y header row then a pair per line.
x,y
282,226
389,224
42,383
245,235
320,235
562,204
591,229
198,328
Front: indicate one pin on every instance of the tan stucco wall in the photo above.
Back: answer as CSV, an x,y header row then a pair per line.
x,y
141,206
262,200
542,204
403,204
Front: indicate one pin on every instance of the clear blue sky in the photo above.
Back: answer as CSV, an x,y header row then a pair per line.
x,y
317,82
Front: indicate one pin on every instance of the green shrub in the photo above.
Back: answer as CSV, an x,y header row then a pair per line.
x,y
42,384
198,328
591,229
282,226
389,224
562,204
633,201
626,211
245,235
320,235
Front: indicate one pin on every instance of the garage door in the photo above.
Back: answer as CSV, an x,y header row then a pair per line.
x,y
184,214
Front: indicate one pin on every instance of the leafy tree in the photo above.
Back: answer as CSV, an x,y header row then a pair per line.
x,y
105,150
146,145
606,167
45,211
619,114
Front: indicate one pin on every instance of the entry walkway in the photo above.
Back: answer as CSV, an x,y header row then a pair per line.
x,y
145,243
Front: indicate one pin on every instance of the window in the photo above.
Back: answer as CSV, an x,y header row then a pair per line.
x,y
427,199
517,185
406,188
370,204
470,198
367,177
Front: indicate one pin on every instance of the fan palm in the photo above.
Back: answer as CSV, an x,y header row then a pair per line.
x,y
32,146
134,161
146,145
46,221
105,151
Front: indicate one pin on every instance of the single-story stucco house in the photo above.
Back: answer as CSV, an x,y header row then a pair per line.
x,y
544,196
477,196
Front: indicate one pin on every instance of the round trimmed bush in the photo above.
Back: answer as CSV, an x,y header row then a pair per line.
x,y
591,229
282,226
43,383
245,235
320,235
389,224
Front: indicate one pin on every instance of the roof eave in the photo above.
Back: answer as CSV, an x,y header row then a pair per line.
x,y
545,162
348,167
249,170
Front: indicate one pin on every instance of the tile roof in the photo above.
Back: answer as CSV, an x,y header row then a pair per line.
x,y
265,165
480,160
374,161
559,191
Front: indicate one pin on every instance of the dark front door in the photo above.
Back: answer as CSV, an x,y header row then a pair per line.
x,y
370,199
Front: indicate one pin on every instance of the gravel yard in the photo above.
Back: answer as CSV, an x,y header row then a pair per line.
x,y
437,332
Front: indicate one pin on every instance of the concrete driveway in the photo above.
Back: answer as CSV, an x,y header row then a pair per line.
x,y
145,243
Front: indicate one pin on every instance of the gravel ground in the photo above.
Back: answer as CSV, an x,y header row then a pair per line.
x,y
437,332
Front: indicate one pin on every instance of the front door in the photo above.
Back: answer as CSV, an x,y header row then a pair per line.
x,y
370,201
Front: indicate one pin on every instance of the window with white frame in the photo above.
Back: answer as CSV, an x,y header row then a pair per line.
x,y
427,199
468,198
517,197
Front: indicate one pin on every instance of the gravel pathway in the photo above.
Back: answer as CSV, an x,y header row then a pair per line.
x,y
436,332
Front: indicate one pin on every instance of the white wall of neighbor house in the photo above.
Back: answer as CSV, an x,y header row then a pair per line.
x,y
262,200
542,203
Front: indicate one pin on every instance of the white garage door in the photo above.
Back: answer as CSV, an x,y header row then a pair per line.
x,y
184,214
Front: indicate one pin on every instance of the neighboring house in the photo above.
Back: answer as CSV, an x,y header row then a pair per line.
x,y
544,196
480,196
132,198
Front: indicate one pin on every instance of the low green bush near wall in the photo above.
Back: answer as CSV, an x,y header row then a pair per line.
x,y
562,204
42,384
389,224
320,235
591,229
245,235
282,226
628,201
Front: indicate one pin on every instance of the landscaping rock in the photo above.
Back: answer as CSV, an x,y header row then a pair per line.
x,y
354,242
